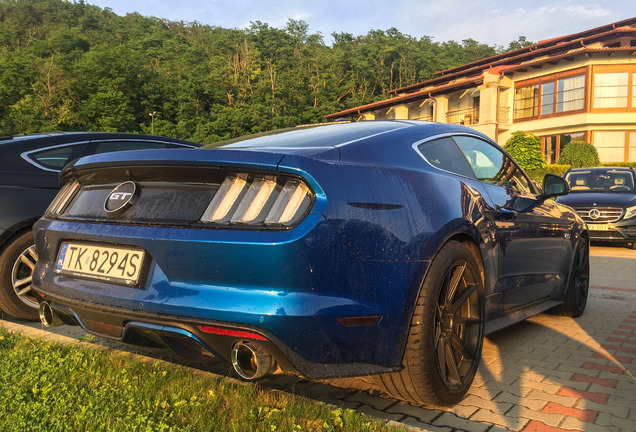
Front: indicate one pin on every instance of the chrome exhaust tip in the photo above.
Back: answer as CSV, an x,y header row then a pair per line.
x,y
251,361
48,317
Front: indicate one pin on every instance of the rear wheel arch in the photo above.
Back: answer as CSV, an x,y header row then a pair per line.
x,y
16,231
446,330
578,281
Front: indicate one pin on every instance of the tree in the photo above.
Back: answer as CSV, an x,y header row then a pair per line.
x,y
526,150
73,66
579,154
522,42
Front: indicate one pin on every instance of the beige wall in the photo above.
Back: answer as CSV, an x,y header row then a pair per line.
x,y
496,103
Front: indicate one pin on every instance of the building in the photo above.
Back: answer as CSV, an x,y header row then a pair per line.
x,y
580,87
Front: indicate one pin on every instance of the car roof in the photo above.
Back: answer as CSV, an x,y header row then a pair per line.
x,y
337,134
53,138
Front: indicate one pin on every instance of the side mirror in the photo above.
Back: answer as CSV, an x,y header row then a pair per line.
x,y
554,186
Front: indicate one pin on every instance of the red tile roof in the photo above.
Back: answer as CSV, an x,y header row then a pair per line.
x,y
547,47
471,74
417,95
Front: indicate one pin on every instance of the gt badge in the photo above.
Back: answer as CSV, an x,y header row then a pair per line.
x,y
121,199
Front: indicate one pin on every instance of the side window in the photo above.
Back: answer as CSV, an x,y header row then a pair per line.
x,y
55,158
443,154
491,165
113,146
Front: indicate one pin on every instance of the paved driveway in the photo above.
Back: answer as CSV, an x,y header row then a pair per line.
x,y
548,373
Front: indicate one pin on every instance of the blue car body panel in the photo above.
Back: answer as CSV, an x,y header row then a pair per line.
x,y
377,221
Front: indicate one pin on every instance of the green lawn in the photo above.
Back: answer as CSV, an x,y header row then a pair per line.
x,y
47,386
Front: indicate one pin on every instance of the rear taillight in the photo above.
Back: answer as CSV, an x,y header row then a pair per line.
x,y
62,199
268,201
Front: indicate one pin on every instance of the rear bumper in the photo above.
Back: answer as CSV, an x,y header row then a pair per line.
x,y
189,338
290,287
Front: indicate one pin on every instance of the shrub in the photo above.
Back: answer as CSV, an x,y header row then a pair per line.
x,y
619,164
579,154
538,174
526,150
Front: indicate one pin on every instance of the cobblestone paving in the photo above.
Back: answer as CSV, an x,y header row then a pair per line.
x,y
547,374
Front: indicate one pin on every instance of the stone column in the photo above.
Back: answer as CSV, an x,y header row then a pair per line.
x,y
441,108
401,112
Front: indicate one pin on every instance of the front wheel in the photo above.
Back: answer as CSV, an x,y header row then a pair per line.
x,y
446,335
16,271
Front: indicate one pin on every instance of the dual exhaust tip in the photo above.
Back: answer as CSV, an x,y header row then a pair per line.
x,y
249,360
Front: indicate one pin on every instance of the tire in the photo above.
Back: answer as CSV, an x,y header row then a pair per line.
x,y
575,298
16,269
446,335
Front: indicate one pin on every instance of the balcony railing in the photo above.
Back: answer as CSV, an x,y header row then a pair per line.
x,y
424,118
468,116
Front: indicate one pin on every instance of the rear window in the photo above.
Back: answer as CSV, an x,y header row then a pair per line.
x,y
601,181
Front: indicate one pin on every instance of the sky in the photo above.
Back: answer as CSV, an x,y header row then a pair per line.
x,y
493,22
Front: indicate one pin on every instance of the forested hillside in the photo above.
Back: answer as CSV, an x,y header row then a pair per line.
x,y
75,66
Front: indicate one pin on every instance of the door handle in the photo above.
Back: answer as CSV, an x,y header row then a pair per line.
x,y
502,213
507,212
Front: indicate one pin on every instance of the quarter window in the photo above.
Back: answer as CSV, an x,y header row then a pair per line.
x,y
55,158
443,154
491,165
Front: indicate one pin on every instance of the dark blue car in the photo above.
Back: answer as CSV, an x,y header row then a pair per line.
x,y
371,248
29,169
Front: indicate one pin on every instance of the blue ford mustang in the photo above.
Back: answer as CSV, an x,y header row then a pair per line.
x,y
372,248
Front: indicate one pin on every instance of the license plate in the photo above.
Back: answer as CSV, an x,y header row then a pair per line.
x,y
598,227
117,264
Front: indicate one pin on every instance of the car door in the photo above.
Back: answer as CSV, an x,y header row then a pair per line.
x,y
527,231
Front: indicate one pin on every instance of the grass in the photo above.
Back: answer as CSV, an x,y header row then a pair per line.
x,y
47,386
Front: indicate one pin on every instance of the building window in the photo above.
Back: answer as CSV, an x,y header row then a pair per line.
x,y
611,145
571,94
610,90
547,98
552,145
614,88
631,155
634,90
553,94
526,102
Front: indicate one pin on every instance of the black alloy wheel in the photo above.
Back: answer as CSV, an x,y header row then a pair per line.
x,y
578,284
458,326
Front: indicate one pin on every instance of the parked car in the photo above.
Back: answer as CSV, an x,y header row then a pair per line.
x,y
387,248
28,182
606,199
